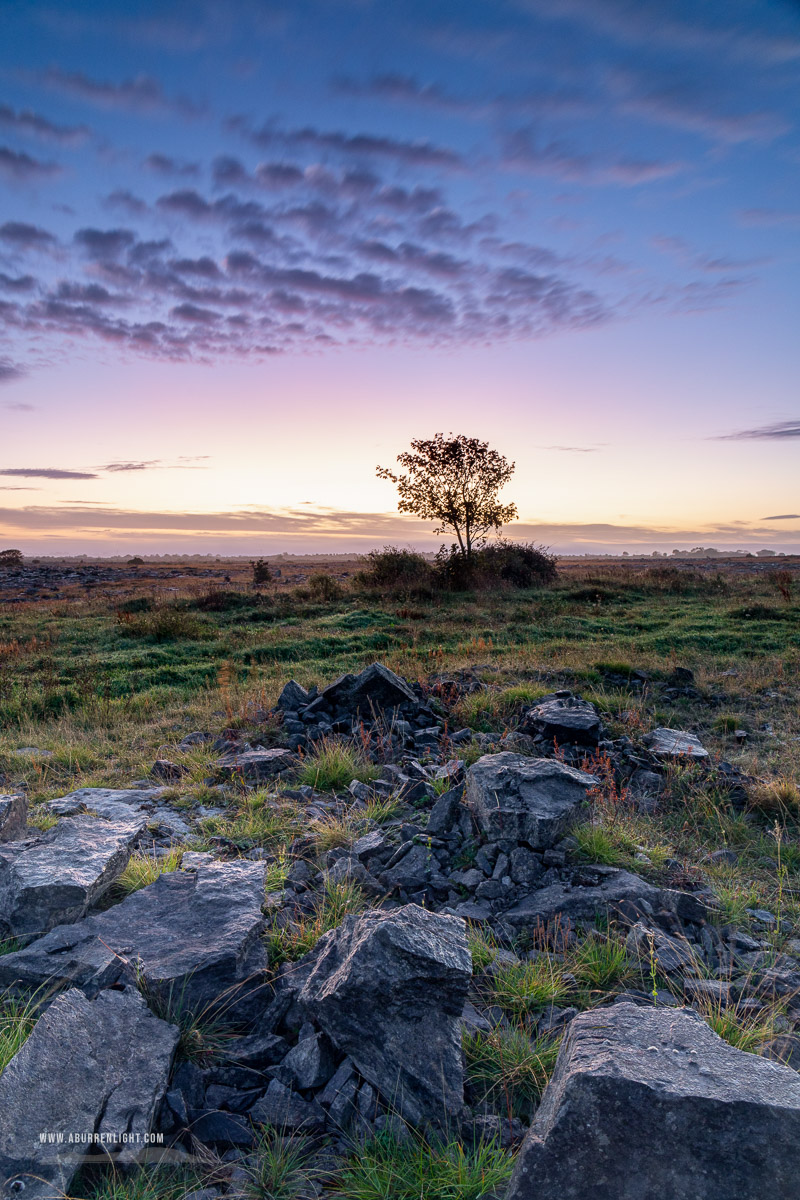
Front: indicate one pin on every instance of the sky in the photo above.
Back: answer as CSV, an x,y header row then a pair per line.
x,y
249,250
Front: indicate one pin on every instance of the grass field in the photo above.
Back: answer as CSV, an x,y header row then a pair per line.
x,y
94,689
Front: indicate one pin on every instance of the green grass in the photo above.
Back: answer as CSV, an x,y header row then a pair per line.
x,y
165,1183
527,987
509,1070
388,1168
279,1168
144,869
333,764
600,962
259,818
17,1019
337,900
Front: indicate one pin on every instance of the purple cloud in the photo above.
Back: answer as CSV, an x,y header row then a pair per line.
x,y
33,124
21,168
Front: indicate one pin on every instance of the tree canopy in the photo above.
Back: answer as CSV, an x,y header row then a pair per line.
x,y
455,481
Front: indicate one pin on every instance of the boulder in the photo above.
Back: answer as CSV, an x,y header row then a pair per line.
x,y
564,720
89,1067
650,1103
13,816
109,803
53,878
256,766
284,1109
368,693
388,987
293,697
601,890
674,743
192,937
529,800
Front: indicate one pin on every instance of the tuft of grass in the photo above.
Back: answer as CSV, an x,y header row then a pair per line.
x,y
482,947
279,1168
601,961
599,844
509,1070
414,1168
144,869
776,798
744,1030
333,763
261,818
17,1019
289,943
41,819
204,1033
523,988
165,1183
483,710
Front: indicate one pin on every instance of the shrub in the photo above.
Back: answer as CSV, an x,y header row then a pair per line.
x,y
501,563
324,588
396,570
261,571
10,558
167,624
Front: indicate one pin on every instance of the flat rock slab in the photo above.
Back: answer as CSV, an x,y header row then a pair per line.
x,y
389,988
674,743
90,1067
52,879
604,890
521,799
568,720
13,816
257,766
193,936
110,803
648,1103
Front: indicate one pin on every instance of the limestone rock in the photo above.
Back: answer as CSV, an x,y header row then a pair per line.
x,y
650,1103
388,987
53,878
564,720
192,936
13,815
89,1066
256,766
530,800
675,743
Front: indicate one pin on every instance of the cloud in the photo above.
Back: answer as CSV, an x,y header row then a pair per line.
x,y
776,432
10,372
184,463
163,164
21,168
770,218
24,236
524,151
46,473
142,94
105,243
18,283
782,517
124,199
31,123
358,145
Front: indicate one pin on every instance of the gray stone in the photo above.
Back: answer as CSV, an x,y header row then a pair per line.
x,y
671,954
648,1103
531,800
604,890
370,844
256,766
368,693
339,1095
53,878
110,803
192,936
525,867
445,812
169,772
389,988
13,815
309,1064
411,872
293,697
674,743
284,1109
566,720
89,1066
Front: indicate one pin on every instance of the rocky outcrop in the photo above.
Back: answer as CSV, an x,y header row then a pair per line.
x,y
529,800
563,718
53,878
192,938
388,988
650,1103
93,1068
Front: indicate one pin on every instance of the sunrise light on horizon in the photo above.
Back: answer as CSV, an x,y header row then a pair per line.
x,y
248,252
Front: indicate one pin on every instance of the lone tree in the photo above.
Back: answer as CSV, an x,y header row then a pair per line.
x,y
454,480
10,558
